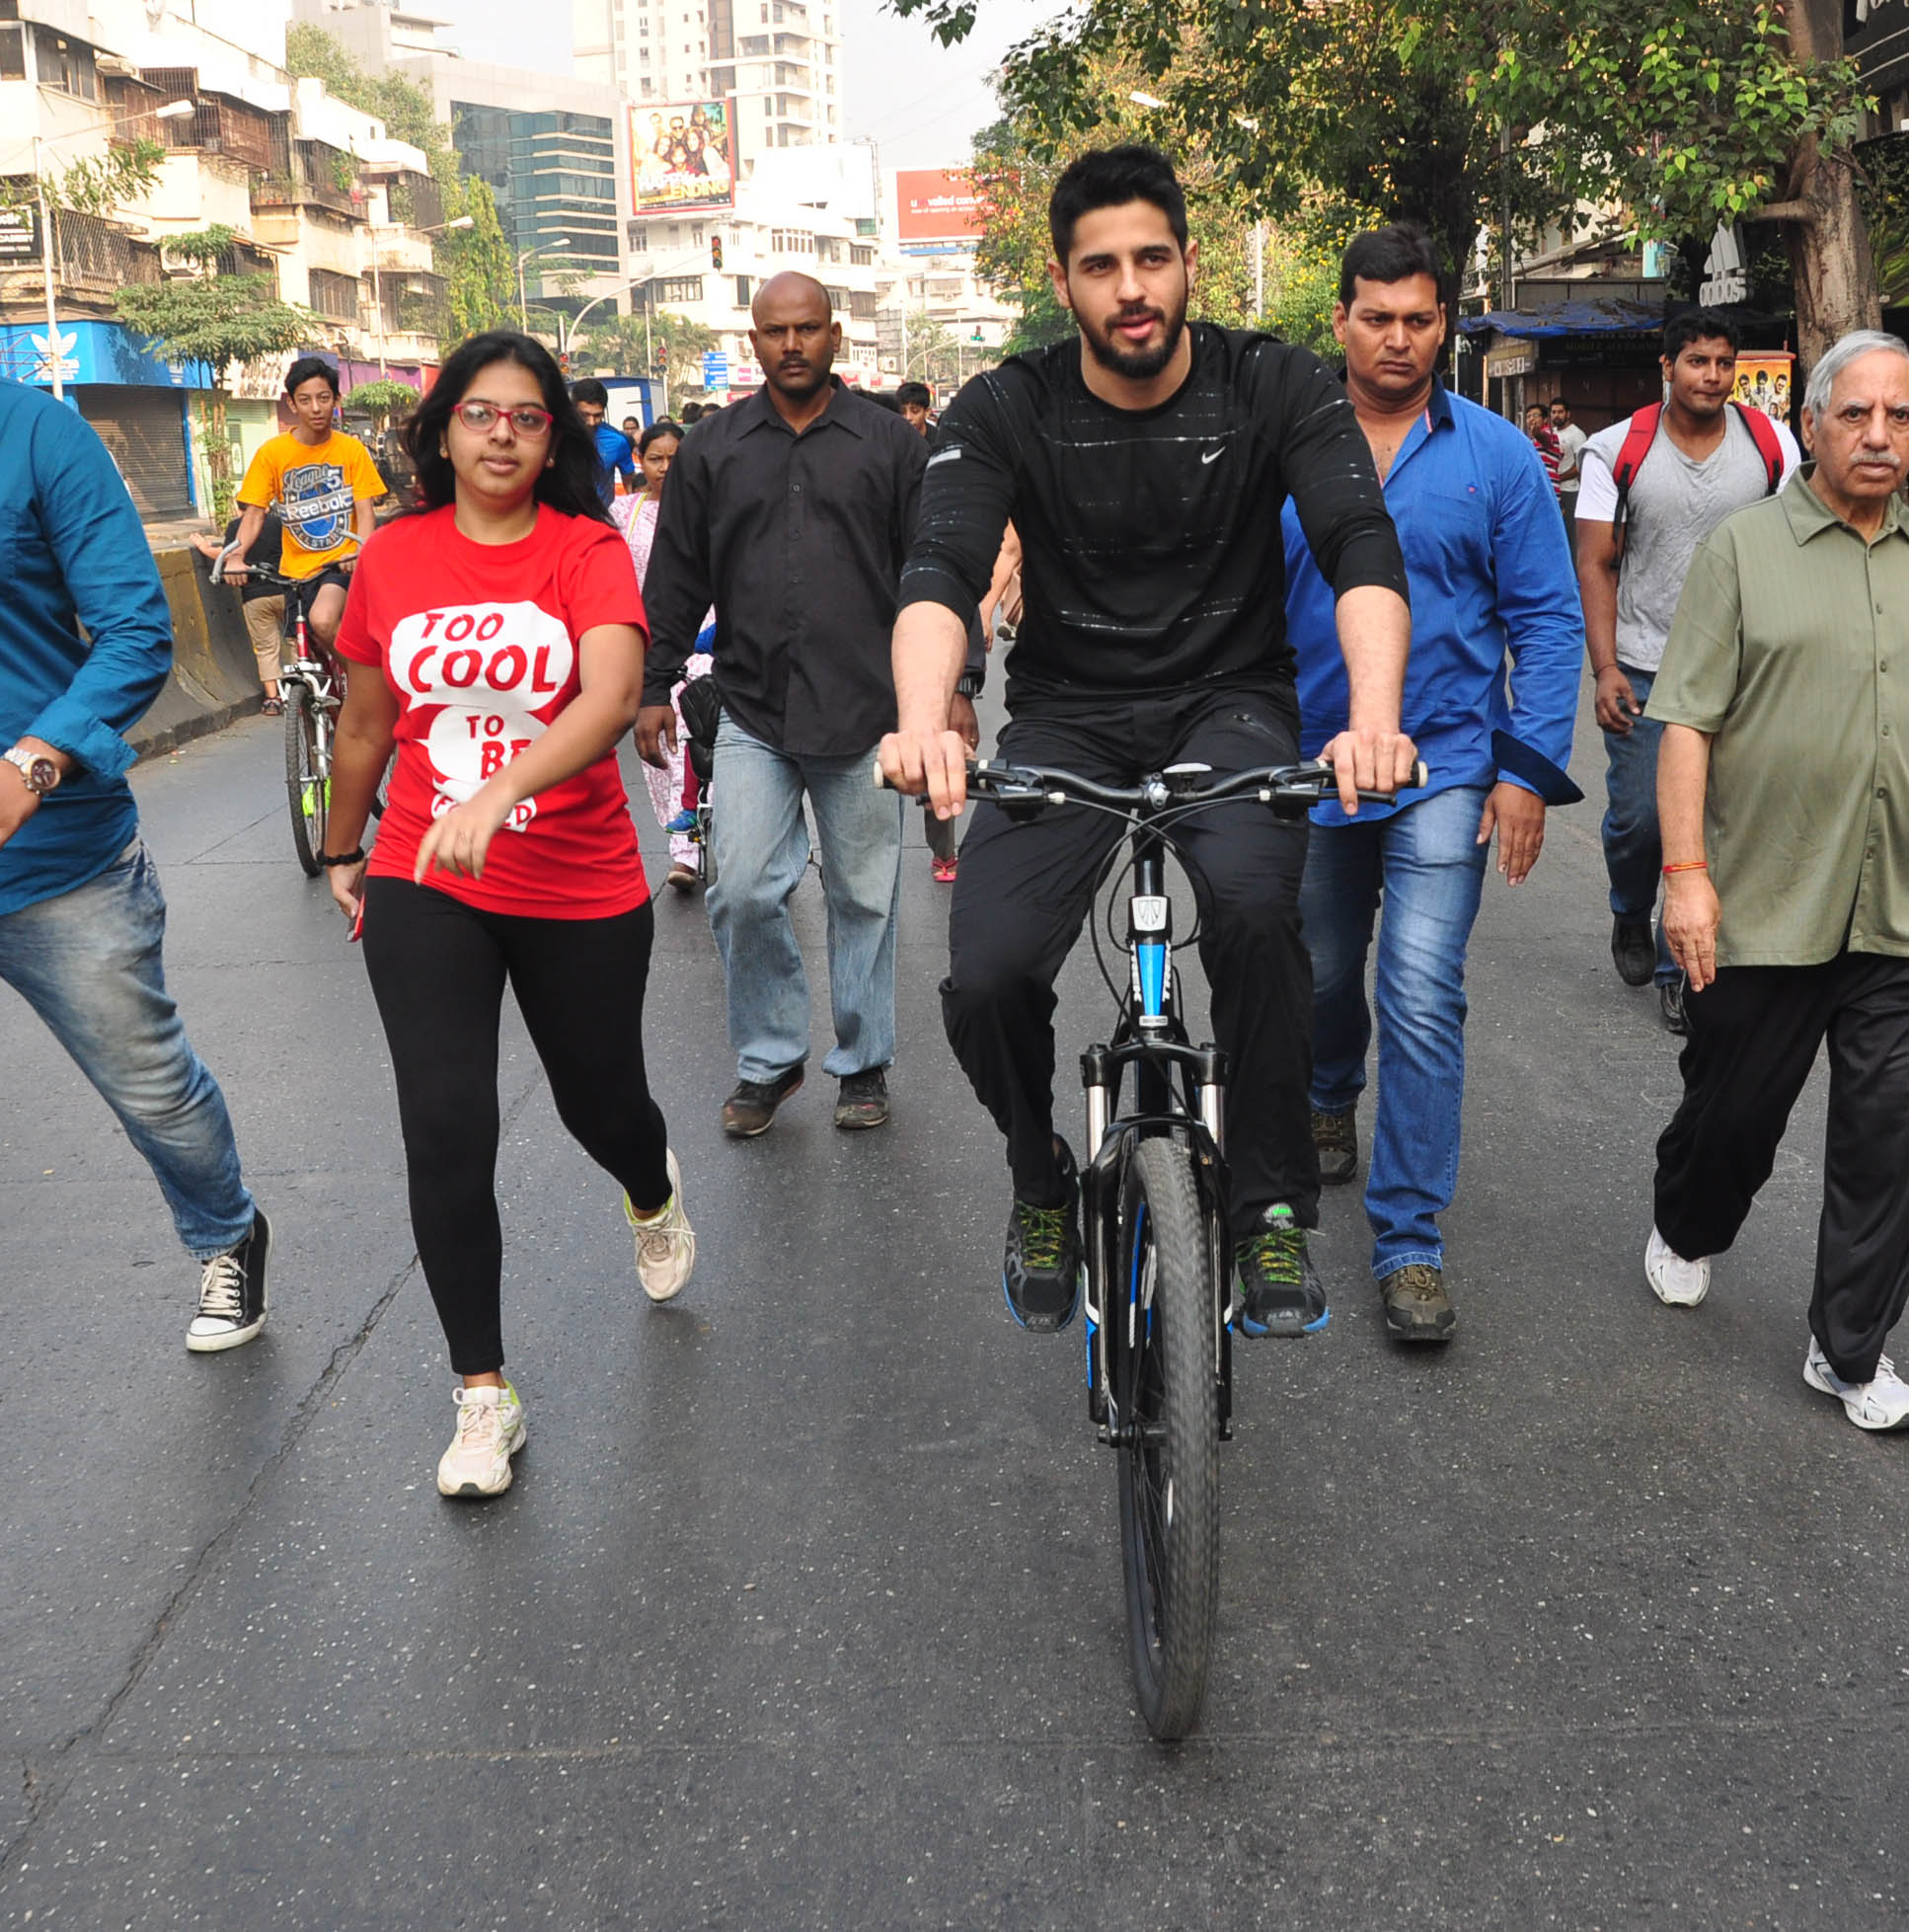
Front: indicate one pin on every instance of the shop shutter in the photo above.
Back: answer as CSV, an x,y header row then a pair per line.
x,y
142,429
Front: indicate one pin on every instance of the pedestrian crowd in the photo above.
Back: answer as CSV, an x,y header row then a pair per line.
x,y
1206,547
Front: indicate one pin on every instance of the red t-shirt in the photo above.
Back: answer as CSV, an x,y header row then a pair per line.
x,y
478,643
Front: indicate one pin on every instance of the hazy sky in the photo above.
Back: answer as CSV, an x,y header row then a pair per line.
x,y
917,100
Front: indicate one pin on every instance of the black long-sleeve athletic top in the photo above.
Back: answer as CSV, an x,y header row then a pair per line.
x,y
1152,554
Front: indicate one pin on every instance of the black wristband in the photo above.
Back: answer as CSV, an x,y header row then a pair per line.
x,y
351,858
968,685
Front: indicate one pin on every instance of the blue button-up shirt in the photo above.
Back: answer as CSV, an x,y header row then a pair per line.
x,y
71,552
1491,578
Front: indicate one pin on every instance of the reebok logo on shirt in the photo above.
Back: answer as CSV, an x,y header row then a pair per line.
x,y
482,671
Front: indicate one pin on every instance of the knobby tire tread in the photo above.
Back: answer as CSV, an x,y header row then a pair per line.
x,y
1171,1622
301,767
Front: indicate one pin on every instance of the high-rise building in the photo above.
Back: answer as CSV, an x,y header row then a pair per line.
x,y
781,60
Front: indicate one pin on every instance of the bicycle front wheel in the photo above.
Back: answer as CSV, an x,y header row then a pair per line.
x,y
1169,1458
308,782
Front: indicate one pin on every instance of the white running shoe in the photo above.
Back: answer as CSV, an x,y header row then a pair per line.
x,y
665,1246
1676,1281
1882,1402
490,1432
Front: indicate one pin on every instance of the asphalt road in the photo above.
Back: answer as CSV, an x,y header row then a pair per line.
x,y
805,1609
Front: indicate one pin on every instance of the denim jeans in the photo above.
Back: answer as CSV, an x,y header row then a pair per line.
x,y
88,963
761,846
1427,865
1634,852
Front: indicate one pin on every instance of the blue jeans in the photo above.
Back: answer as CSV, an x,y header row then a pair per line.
x,y
1634,852
88,963
761,846
1426,864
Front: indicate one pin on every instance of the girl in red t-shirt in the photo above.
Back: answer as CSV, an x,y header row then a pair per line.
x,y
507,624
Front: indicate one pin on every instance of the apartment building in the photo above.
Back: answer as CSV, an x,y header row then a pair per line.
x,y
316,196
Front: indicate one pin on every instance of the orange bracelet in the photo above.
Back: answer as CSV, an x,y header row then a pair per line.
x,y
1687,865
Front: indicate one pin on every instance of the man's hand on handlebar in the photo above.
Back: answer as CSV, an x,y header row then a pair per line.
x,y
1366,760
936,763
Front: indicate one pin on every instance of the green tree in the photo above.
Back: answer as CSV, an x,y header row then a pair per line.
x,y
477,263
1482,113
217,320
619,342
383,401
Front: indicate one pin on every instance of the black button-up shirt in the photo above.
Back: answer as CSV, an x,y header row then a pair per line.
x,y
798,542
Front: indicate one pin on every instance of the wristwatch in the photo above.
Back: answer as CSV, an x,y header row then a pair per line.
x,y
39,771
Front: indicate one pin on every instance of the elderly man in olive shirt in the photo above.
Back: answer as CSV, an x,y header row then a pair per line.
x,y
792,512
1783,786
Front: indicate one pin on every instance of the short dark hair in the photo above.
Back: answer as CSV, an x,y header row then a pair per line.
x,y
570,485
1109,177
658,430
691,413
917,393
589,390
1698,326
305,369
1394,253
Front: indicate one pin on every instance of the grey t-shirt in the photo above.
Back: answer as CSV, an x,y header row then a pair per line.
x,y
1674,503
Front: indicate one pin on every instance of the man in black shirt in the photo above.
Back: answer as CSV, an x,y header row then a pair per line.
x,y
1145,470
792,512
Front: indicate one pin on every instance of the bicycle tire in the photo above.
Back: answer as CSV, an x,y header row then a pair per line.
x,y
306,787
1169,1461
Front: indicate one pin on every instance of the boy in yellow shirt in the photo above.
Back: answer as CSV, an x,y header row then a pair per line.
x,y
323,484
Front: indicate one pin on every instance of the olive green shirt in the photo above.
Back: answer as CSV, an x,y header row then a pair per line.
x,y
1791,647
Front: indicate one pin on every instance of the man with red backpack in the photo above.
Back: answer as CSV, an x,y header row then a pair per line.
x,y
1655,485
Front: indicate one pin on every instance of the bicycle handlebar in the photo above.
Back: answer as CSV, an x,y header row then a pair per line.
x,y
1312,783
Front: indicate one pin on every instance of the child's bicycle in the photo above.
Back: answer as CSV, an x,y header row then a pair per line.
x,y
1160,1276
311,681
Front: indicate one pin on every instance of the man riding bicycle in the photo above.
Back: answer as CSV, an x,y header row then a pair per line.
x,y
1145,471
323,484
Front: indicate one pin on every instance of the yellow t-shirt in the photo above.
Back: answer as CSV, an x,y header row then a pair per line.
x,y
315,487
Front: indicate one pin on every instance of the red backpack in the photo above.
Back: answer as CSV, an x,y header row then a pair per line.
x,y
1643,432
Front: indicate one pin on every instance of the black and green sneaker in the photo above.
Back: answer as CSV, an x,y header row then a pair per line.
x,y
1279,1288
1040,1271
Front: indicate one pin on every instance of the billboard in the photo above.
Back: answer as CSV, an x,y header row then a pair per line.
x,y
936,205
683,155
1763,382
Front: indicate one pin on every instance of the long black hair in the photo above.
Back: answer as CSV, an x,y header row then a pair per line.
x,y
569,485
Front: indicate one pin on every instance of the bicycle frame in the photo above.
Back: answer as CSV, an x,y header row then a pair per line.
x,y
1151,1041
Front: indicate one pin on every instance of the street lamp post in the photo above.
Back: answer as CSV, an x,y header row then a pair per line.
x,y
523,302
171,111
377,283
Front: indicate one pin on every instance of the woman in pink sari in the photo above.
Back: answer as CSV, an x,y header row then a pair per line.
x,y
636,516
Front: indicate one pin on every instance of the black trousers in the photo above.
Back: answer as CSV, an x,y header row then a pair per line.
x,y
1753,1039
1025,888
437,970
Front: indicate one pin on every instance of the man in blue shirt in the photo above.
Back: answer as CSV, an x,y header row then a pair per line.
x,y
1490,579
615,454
81,918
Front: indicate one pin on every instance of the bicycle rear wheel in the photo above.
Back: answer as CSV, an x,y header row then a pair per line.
x,y
1169,1459
308,785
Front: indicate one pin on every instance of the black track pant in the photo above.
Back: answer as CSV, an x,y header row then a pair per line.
x,y
1023,890
1753,1039
439,968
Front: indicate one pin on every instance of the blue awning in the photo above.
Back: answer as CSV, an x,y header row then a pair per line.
x,y
1612,317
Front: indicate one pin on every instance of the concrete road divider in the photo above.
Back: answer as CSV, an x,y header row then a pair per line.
x,y
214,679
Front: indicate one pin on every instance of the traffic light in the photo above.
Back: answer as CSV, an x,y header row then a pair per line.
x,y
716,250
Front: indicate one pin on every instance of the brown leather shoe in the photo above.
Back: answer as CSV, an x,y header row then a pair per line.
x,y
1337,1136
749,1110
1417,1308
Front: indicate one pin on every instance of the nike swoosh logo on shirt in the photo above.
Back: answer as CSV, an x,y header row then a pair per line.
x,y
1213,455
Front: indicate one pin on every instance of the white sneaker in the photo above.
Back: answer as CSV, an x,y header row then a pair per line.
x,y
490,1432
666,1246
1882,1402
1676,1281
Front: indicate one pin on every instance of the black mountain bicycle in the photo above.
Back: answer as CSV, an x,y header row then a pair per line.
x,y
1160,1276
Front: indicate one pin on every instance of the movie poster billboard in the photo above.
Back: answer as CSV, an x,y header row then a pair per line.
x,y
1763,382
683,155
936,208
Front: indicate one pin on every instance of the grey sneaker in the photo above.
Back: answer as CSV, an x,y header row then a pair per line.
x,y
1417,1307
1337,1136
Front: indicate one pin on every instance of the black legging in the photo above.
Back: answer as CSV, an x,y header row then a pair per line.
x,y
437,968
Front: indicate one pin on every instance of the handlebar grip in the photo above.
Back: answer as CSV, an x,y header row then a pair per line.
x,y
881,782
1421,776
